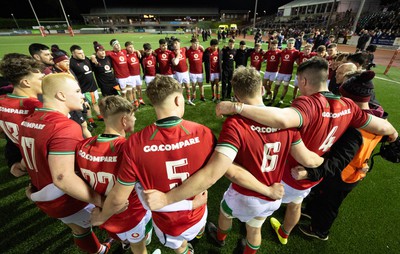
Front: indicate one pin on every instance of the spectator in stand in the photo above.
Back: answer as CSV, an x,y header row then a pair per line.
x,y
363,40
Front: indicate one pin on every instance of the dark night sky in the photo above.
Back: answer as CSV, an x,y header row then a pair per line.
x,y
51,8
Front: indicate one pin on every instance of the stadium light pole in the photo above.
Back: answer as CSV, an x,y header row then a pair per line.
x,y
12,14
255,14
358,16
40,26
105,8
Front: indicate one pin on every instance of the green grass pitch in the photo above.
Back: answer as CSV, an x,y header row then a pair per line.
x,y
369,220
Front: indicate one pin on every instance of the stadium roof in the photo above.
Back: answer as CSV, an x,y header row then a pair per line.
x,y
298,3
156,11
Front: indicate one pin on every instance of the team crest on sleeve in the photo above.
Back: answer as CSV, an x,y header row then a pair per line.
x,y
86,68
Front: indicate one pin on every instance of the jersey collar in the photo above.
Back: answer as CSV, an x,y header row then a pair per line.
x,y
168,122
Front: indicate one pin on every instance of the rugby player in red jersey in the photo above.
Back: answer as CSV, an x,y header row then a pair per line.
x,y
164,57
272,56
195,56
26,76
47,141
288,56
321,118
135,81
162,156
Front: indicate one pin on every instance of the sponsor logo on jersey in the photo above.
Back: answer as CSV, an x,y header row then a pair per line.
x,y
272,58
14,111
256,58
336,115
107,67
263,129
287,57
215,58
149,63
93,158
171,147
122,59
133,59
86,68
196,56
37,126
163,56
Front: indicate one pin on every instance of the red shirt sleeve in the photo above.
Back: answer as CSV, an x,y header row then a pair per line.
x,y
126,173
66,139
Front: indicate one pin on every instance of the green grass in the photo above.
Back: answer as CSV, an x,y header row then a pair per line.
x,y
368,222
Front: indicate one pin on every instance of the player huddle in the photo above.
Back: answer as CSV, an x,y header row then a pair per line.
x,y
158,177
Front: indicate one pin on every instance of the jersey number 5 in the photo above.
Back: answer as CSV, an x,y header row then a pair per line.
x,y
173,175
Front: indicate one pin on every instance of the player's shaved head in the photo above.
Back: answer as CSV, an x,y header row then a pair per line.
x,y
315,71
58,82
246,82
115,105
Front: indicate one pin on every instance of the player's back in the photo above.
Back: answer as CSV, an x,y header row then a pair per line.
x,y
97,158
262,150
166,154
325,117
48,132
13,110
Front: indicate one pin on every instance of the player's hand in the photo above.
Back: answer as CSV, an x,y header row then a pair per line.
x,y
86,105
224,108
364,170
276,191
18,169
200,200
299,173
155,199
96,218
94,60
29,191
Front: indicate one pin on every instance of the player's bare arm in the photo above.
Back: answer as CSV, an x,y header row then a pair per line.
x,y
114,203
202,180
271,116
64,177
381,127
304,156
245,179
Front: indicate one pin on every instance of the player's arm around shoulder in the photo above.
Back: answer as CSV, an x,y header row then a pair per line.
x,y
304,156
271,116
382,127
65,178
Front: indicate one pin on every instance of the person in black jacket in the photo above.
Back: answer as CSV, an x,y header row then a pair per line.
x,y
242,55
228,59
362,41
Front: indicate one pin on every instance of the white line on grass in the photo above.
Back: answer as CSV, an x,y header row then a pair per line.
x,y
397,82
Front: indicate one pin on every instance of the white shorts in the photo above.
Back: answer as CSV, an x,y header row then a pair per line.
x,y
214,76
296,82
137,233
293,195
284,77
134,81
122,82
196,78
171,76
80,218
245,207
270,75
182,77
174,242
148,79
